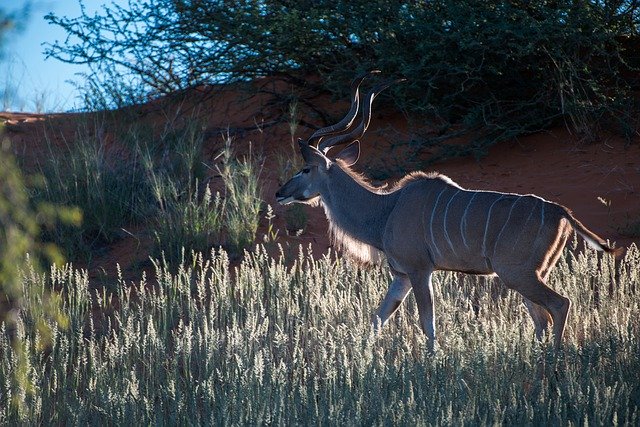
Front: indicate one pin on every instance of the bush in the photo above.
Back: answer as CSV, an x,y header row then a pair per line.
x,y
186,221
189,216
499,68
144,176
26,307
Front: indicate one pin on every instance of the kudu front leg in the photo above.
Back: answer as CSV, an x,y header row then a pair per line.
x,y
423,290
397,292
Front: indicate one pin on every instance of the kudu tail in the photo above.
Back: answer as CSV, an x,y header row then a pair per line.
x,y
595,241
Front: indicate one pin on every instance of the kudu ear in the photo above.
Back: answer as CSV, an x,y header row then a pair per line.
x,y
350,154
312,156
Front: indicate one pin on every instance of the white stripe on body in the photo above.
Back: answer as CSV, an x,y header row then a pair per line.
x,y
524,226
504,225
463,221
433,212
444,225
486,225
541,220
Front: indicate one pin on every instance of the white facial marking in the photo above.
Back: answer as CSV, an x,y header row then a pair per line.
x,y
285,200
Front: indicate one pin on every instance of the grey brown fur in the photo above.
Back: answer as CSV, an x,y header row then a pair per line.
x,y
427,222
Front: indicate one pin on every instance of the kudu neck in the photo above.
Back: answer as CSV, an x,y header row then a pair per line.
x,y
355,207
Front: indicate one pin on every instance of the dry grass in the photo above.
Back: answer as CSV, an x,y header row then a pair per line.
x,y
274,344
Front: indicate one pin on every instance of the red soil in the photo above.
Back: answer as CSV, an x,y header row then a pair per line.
x,y
555,165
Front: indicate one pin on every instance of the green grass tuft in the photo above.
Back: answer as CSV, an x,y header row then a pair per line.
x,y
242,198
107,185
190,221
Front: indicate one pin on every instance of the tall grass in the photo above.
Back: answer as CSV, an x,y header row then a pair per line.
x,y
268,343
109,186
154,178
188,216
288,163
193,219
242,198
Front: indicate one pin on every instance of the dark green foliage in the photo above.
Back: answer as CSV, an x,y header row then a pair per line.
x,y
190,216
296,218
22,255
499,68
152,179
12,19
118,185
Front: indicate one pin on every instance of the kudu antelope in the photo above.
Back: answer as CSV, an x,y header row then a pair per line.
x,y
427,222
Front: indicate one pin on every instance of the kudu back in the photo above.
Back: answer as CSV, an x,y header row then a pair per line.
x,y
427,222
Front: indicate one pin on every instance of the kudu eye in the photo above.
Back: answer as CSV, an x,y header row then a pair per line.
x,y
306,170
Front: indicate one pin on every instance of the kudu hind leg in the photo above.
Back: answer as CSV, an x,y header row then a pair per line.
x,y
541,318
397,292
536,291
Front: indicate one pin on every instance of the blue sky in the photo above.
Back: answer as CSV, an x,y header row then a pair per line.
x,y
36,84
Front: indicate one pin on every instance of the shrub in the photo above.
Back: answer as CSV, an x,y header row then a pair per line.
x,y
499,68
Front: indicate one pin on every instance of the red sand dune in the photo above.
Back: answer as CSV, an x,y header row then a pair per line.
x,y
555,165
